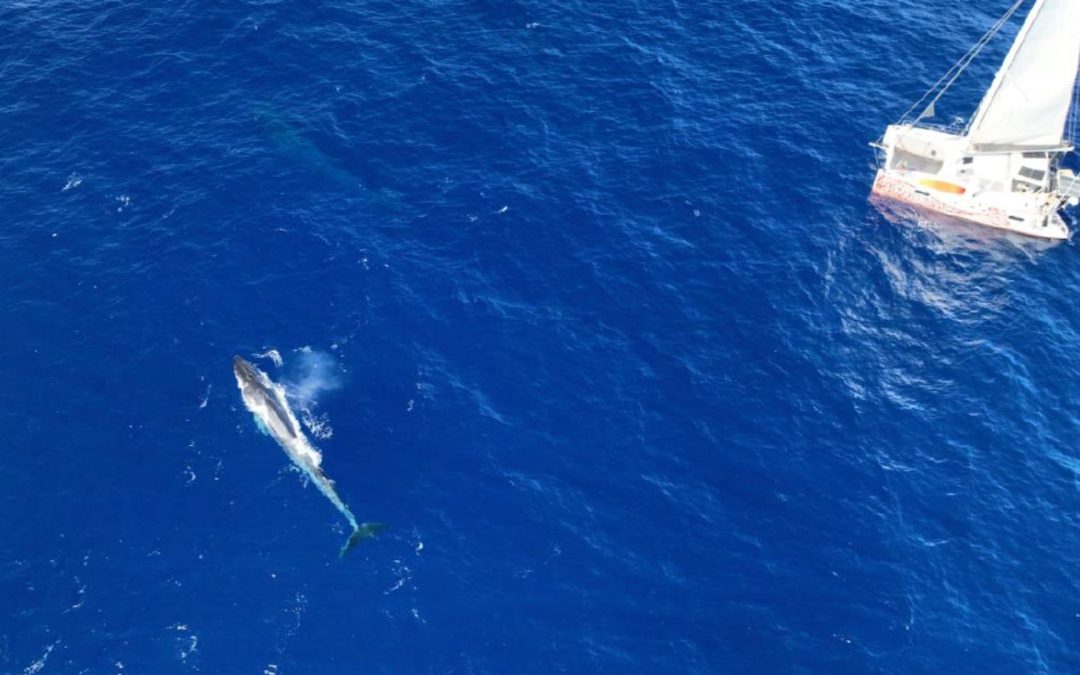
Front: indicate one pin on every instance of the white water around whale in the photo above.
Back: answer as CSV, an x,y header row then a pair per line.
x,y
310,374
272,354
264,419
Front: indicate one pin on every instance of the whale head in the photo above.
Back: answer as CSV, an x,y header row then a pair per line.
x,y
244,371
264,398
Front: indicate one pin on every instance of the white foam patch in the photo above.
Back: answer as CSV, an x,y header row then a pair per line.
x,y
314,373
189,644
36,666
272,354
81,597
317,424
310,375
192,646
403,574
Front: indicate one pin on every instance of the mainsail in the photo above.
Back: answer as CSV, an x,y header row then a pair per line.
x,y
1028,103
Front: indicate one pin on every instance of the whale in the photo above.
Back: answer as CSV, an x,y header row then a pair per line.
x,y
266,401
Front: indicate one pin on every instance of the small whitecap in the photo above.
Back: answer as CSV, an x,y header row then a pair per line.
x,y
191,648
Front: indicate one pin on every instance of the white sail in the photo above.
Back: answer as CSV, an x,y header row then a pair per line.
x,y
1028,103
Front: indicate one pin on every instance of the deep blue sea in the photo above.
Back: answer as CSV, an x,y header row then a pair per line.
x,y
585,299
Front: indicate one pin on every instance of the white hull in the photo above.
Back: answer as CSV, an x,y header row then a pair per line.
x,y
1016,191
914,188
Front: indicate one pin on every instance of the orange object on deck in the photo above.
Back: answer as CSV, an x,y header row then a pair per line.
x,y
942,186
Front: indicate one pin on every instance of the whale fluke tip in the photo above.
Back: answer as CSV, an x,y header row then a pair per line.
x,y
362,532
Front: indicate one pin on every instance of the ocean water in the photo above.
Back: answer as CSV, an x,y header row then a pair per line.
x,y
585,299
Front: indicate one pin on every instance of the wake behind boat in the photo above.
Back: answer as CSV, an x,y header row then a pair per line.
x,y
1003,169
266,401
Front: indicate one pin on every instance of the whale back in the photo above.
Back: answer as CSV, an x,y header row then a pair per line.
x,y
275,404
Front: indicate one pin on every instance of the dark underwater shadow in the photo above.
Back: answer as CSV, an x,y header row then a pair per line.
x,y
301,145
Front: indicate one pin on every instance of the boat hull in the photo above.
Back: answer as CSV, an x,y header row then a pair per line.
x,y
925,192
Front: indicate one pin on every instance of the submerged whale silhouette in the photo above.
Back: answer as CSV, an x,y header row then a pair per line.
x,y
289,141
267,403
326,156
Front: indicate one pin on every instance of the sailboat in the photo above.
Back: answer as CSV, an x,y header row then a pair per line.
x,y
1004,167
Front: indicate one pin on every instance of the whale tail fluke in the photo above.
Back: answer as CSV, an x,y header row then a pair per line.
x,y
362,532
